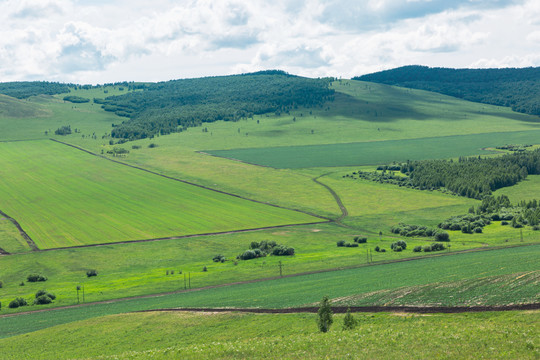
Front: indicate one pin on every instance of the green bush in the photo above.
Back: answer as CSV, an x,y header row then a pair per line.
x,y
360,240
91,273
377,248
417,249
442,236
351,245
504,222
36,278
340,243
17,303
1,284
477,230
324,315
402,245
42,300
218,258
204,269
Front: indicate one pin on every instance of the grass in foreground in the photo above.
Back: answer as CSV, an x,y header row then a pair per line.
x,y
292,336
306,289
65,197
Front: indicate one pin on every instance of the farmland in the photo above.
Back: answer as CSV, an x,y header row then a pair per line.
x,y
305,290
162,189
97,201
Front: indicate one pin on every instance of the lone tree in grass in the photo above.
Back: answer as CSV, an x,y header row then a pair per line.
x,y
325,315
349,322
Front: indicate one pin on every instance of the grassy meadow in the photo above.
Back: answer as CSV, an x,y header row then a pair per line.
x,y
307,289
63,197
286,336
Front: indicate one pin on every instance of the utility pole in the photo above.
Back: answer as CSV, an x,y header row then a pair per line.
x,y
189,279
280,269
83,293
78,289
185,284
521,234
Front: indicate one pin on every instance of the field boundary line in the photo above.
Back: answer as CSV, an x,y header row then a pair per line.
x,y
207,287
23,233
186,236
188,182
367,309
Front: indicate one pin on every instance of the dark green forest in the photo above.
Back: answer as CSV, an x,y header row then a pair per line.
x,y
173,106
25,89
473,177
516,88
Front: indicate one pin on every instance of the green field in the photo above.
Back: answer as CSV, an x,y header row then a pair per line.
x,y
376,152
292,336
64,197
307,289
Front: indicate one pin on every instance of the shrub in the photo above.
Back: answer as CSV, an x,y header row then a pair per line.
x,y
21,283
536,227
442,236
400,243
36,278
349,322
218,258
281,250
377,248
17,303
1,284
42,300
351,245
204,269
360,240
91,273
417,249
477,230
504,222
397,248
383,250
427,248
437,247
152,145
341,243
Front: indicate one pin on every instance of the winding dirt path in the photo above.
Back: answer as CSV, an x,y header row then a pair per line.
x,y
344,211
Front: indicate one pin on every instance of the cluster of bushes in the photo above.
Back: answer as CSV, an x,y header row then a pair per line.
x,y
360,239
219,258
91,272
18,302
264,248
43,297
343,243
512,147
36,278
379,249
429,248
398,246
118,151
76,99
419,230
63,130
467,224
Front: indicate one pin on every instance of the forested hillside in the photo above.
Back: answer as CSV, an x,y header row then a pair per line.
x,y
171,106
512,87
25,89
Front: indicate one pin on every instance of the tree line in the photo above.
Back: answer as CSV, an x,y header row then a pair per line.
x,y
516,88
473,177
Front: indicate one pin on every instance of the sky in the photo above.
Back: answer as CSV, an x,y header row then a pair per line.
x,y
96,42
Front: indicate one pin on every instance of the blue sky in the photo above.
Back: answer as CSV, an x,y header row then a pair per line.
x,y
107,41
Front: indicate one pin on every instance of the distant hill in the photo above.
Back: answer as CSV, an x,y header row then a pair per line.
x,y
15,108
518,88
172,106
25,89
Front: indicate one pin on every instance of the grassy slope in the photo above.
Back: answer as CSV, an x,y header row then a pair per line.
x,y
307,289
293,336
10,238
525,190
78,199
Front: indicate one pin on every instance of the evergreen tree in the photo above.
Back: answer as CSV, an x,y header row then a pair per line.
x,y
349,322
325,315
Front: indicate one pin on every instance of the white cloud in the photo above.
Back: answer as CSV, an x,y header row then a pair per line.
x,y
72,40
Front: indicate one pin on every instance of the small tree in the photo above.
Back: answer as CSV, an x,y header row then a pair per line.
x,y
349,322
325,315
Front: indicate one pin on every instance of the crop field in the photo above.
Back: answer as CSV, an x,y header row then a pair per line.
x,y
64,197
306,289
492,290
196,335
376,152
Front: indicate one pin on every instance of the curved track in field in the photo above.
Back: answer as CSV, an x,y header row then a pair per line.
x,y
344,211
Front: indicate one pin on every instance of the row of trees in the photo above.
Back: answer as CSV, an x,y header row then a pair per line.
x,y
515,88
